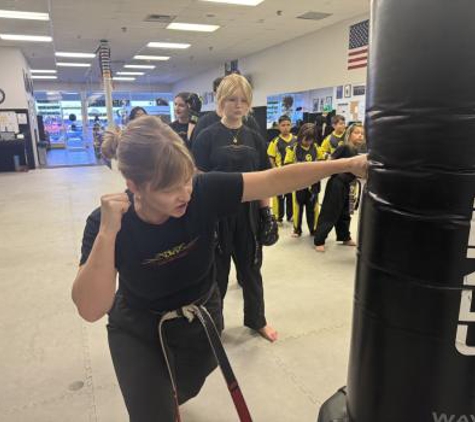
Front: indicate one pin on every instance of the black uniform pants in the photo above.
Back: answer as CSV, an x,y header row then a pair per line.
x,y
305,200
237,239
285,207
140,365
335,212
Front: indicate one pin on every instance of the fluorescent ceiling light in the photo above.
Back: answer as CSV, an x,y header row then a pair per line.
x,y
79,55
43,77
66,64
13,14
168,45
139,66
192,27
43,71
159,58
131,73
237,2
34,38
122,78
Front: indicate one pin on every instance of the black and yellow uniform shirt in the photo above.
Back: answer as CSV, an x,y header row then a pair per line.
x,y
278,148
219,148
166,266
332,142
302,154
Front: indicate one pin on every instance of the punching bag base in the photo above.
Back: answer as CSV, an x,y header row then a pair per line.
x,y
334,409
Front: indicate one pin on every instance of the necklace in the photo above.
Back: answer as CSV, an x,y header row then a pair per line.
x,y
234,133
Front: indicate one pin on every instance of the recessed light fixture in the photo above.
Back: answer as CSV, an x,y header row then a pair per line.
x,y
158,58
78,55
168,45
130,73
67,64
139,66
33,38
192,27
13,14
43,71
122,78
237,2
44,77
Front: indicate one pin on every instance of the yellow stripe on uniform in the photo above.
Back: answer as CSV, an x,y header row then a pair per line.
x,y
296,210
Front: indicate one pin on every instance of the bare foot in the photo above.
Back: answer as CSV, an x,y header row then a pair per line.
x,y
268,333
294,234
349,243
320,248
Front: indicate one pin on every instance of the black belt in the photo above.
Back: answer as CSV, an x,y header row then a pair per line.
x,y
190,312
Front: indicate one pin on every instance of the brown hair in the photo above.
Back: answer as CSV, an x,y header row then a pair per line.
x,y
228,87
337,119
216,83
149,151
284,118
183,95
306,131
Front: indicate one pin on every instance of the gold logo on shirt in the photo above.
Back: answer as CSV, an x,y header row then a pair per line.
x,y
172,254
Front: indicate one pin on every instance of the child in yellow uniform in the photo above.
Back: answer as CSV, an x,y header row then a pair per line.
x,y
281,205
336,138
305,150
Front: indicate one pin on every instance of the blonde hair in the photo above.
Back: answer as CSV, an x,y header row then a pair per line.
x,y
149,151
229,86
350,131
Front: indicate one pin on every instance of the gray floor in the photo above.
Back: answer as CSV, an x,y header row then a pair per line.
x,y
71,157
57,368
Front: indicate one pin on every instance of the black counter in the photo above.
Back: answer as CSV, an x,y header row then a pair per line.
x,y
8,150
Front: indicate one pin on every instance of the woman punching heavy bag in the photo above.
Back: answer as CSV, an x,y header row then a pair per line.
x,y
413,342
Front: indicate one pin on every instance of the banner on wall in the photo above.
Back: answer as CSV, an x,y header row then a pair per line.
x,y
289,104
348,100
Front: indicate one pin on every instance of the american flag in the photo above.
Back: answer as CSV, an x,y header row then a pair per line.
x,y
359,44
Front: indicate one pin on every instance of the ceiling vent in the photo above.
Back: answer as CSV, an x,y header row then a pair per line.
x,y
314,16
160,18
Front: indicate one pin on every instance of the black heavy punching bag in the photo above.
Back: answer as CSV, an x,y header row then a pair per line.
x,y
413,341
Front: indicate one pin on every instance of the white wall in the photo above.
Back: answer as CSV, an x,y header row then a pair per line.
x,y
11,78
13,65
316,60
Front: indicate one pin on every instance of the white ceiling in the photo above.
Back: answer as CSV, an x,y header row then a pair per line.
x,y
78,25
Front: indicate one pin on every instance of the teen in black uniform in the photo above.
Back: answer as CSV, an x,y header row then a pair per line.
x,y
277,149
335,210
306,150
212,117
231,146
159,239
187,107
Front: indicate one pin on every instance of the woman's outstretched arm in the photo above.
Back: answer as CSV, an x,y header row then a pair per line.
x,y
278,181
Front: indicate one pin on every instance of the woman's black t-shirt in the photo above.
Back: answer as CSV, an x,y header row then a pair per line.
x,y
163,267
181,129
